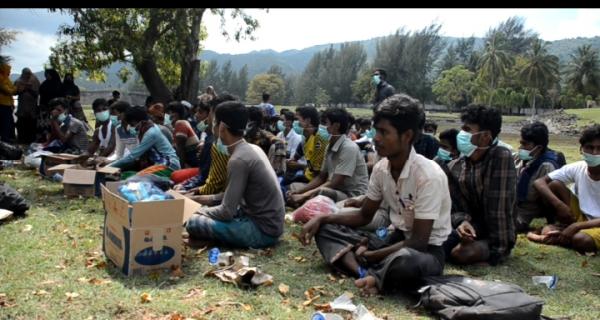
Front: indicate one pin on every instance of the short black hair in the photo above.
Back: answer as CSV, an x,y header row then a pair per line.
x,y
116,93
381,72
403,112
255,114
265,96
338,115
137,114
288,115
283,110
590,134
120,106
178,108
308,112
220,99
431,124
149,100
535,132
487,118
99,102
364,122
234,114
203,106
450,136
58,102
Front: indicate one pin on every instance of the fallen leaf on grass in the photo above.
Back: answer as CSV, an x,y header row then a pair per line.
x,y
284,289
5,302
27,228
309,301
71,295
40,293
195,292
584,263
200,251
49,282
325,307
176,316
331,278
595,274
246,307
300,259
177,272
145,298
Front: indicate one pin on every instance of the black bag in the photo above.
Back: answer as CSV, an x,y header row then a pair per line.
x,y
11,200
10,152
457,297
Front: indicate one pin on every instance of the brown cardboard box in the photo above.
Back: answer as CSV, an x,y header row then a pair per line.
x,y
143,236
79,181
61,158
190,206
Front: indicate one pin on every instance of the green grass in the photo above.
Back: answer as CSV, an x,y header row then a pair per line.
x,y
66,232
586,116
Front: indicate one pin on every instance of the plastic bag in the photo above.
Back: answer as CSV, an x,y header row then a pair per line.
x,y
10,152
142,191
11,200
313,207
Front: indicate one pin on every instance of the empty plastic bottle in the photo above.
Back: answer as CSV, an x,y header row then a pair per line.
x,y
381,232
326,316
57,177
213,256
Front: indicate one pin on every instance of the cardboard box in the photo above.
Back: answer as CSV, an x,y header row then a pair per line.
x,y
189,206
142,236
78,181
61,158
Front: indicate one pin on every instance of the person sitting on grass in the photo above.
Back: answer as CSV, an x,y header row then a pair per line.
x,y
186,141
103,140
252,211
124,141
344,171
534,161
484,185
576,209
416,191
161,120
154,155
68,134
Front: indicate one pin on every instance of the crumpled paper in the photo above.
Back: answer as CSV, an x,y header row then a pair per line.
x,y
237,270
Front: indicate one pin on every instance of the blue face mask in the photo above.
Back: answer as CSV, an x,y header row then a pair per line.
x,y
376,80
167,119
592,160
115,120
61,117
132,131
371,133
323,132
221,148
525,155
463,143
102,116
297,128
444,154
280,125
201,126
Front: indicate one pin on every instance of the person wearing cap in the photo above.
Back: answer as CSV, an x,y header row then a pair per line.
x,y
252,211
162,120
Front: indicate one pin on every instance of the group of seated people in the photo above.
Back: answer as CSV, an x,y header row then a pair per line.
x,y
408,201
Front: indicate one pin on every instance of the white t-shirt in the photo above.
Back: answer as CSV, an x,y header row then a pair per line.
x,y
292,140
586,189
421,192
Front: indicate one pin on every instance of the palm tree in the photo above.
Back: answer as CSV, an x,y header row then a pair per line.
x,y
494,61
540,70
583,72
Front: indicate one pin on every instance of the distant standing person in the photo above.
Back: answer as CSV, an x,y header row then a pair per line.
x,y
116,96
384,89
49,89
28,88
71,92
7,105
267,108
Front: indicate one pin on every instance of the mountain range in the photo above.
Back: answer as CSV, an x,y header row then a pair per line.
x,y
293,62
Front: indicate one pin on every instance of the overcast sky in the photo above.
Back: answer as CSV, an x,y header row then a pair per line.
x,y
284,29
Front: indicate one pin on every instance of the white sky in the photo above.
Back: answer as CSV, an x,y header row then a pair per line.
x,y
284,29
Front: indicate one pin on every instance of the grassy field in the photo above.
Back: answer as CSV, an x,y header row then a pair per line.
x,y
52,267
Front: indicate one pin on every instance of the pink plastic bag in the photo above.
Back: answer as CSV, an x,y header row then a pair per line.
x,y
313,207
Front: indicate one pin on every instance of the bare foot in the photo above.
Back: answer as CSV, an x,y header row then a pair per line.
x,y
535,237
367,285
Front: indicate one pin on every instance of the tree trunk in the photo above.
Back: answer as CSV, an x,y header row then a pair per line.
x,y
153,81
533,105
190,66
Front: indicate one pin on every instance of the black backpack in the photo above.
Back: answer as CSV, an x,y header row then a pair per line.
x,y
457,297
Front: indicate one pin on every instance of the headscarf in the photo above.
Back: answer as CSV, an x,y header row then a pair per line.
x,y
27,78
69,87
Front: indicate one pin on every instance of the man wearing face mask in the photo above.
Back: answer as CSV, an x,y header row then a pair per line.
x,y
103,139
576,209
68,132
484,186
252,211
155,154
344,172
384,89
534,161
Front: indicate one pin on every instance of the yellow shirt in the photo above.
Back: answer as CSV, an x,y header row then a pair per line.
x,y
315,149
7,90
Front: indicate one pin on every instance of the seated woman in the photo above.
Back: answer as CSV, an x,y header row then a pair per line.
x,y
154,154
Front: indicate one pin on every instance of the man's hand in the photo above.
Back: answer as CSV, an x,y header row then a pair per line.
x,y
466,231
298,199
206,200
567,234
178,187
353,203
563,214
309,230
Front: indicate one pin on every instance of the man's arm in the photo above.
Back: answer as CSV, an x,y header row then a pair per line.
x,y
63,137
111,143
499,205
563,211
147,142
93,147
418,241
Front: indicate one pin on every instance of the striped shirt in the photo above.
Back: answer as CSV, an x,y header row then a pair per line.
x,y
217,174
315,149
487,196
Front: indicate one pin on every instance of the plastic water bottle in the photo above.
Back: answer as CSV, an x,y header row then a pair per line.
x,y
213,256
381,232
326,316
57,177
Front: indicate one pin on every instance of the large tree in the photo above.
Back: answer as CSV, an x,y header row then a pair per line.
x,y
454,86
270,83
583,71
540,70
493,62
161,44
6,36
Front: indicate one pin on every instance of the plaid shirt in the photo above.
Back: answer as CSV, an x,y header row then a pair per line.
x,y
486,193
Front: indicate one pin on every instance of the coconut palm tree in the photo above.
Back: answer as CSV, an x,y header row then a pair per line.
x,y
494,61
540,70
583,71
